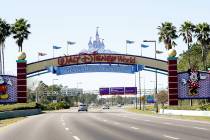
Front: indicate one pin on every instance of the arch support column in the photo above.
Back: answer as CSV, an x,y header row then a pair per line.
x,y
21,81
172,81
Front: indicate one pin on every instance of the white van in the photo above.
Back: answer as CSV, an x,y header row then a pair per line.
x,y
83,107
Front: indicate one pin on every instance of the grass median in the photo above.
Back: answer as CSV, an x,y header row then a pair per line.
x,y
150,112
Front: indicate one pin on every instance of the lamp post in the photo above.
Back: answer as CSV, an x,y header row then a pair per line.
x,y
136,91
78,95
154,41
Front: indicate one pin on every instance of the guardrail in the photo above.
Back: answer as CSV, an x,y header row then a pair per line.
x,y
19,113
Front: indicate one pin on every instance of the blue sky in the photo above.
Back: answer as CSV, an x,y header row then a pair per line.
x,y
54,22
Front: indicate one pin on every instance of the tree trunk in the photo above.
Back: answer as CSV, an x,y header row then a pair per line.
x,y
21,48
203,58
3,69
1,45
206,57
189,54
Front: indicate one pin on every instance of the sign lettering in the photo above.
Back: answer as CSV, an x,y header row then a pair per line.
x,y
96,58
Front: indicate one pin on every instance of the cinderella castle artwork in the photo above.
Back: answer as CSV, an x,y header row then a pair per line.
x,y
96,46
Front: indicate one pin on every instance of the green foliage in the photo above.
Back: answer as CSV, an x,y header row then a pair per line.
x,y
162,97
182,107
195,53
88,98
18,106
167,34
55,106
196,59
4,30
119,100
20,31
205,107
186,31
202,33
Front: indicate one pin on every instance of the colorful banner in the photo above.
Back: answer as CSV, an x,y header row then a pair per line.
x,y
8,89
131,90
96,58
104,91
184,84
96,68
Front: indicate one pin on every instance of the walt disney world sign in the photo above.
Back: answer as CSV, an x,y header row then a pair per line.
x,y
96,58
96,63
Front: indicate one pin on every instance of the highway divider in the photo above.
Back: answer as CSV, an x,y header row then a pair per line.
x,y
19,113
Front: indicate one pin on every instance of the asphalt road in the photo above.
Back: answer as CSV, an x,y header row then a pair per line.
x,y
97,124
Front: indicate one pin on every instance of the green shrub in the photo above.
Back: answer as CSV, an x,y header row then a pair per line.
x,y
205,107
55,106
183,107
17,106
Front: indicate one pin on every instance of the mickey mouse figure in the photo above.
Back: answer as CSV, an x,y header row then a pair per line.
x,y
3,89
193,82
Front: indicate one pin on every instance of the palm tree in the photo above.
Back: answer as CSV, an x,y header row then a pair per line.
x,y
4,33
167,34
202,33
186,30
20,31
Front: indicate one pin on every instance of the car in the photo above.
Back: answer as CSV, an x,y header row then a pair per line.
x,y
105,107
83,107
119,105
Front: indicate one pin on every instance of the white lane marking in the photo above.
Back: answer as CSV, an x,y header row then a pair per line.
x,y
67,129
76,138
201,128
167,123
105,120
170,137
147,120
134,128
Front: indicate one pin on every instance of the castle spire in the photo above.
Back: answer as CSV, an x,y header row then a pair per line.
x,y
97,35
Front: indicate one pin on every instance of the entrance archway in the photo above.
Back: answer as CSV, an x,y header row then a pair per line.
x,y
95,63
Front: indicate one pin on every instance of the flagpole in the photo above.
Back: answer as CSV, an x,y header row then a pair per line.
x,y
141,50
136,90
67,49
37,88
53,52
154,41
140,90
126,47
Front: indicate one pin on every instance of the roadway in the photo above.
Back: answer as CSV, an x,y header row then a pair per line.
x,y
98,124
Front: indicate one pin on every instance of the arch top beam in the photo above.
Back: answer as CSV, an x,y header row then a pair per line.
x,y
95,59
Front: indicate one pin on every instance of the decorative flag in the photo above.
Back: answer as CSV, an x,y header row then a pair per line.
x,y
56,47
41,54
71,43
129,42
159,52
144,46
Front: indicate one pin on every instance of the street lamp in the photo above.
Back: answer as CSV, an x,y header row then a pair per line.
x,y
154,41
78,83
78,94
